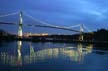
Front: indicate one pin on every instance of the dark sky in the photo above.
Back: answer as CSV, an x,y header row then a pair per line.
x,y
92,13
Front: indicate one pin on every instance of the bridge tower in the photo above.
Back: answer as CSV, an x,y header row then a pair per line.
x,y
81,38
20,34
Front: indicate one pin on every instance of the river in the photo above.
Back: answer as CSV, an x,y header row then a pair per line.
x,y
49,56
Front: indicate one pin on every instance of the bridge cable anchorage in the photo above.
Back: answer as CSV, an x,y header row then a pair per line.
x,y
9,14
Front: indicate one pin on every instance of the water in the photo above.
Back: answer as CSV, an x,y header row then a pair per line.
x,y
28,56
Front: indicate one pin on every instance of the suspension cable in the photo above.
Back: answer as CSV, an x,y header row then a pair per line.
x,y
74,26
8,14
87,28
38,20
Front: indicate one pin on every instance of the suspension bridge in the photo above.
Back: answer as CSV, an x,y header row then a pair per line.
x,y
42,24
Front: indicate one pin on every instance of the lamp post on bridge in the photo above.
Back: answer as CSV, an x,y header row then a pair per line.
x,y
20,34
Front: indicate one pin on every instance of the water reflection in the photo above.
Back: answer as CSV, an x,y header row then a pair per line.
x,y
12,59
75,54
19,53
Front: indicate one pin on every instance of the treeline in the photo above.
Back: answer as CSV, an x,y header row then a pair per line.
x,y
99,35
6,36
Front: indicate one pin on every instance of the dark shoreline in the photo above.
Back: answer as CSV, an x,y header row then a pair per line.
x,y
97,43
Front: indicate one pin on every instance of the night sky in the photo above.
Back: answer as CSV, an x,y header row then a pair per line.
x,y
92,13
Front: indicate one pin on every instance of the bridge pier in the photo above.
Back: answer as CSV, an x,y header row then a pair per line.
x,y
81,37
20,34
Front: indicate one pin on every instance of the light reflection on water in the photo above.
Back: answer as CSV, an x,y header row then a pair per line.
x,y
71,53
29,56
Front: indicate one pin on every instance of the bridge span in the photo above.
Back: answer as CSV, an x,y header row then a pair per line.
x,y
46,25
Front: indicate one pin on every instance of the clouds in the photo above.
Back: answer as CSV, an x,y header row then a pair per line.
x,y
93,13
